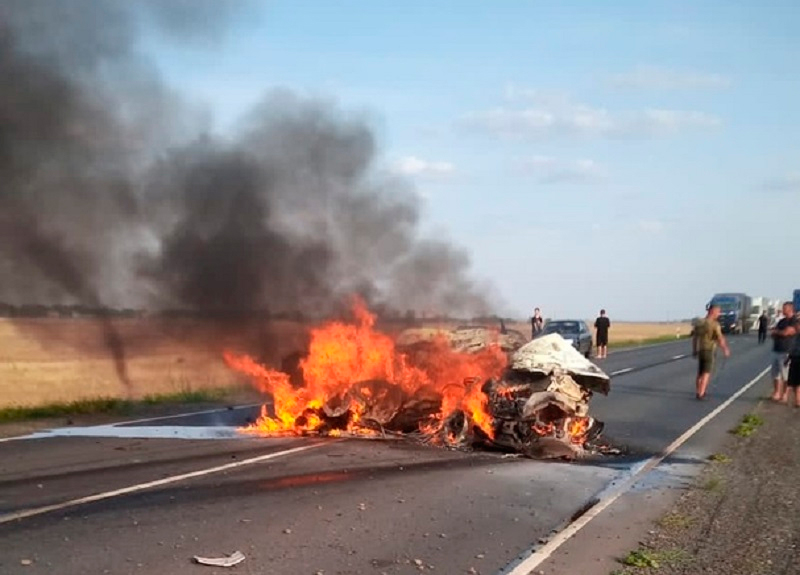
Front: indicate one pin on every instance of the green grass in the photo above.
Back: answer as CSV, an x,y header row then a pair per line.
x,y
108,405
651,559
748,426
713,484
641,342
720,458
674,521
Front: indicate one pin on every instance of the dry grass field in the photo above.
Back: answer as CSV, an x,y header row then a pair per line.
x,y
62,360
46,361
620,333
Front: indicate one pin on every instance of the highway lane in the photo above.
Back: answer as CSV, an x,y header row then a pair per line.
x,y
347,507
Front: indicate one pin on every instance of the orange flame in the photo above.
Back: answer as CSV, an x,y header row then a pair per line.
x,y
577,427
344,355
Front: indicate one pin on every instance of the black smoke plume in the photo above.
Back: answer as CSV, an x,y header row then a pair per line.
x,y
112,192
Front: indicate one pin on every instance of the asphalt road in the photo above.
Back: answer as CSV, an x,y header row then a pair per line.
x,y
164,490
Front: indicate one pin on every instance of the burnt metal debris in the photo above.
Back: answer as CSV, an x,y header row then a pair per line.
x,y
539,406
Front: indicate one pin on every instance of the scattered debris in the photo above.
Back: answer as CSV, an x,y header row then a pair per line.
x,y
227,561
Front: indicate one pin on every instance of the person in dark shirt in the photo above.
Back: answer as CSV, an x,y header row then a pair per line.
x,y
601,326
783,335
763,324
537,323
793,379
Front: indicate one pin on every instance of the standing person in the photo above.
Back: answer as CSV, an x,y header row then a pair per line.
x,y
537,323
707,334
793,379
782,339
763,324
601,326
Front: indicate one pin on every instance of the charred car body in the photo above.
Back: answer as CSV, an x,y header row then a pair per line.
x,y
540,406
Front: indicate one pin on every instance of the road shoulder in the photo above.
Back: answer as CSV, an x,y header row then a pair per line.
x,y
738,515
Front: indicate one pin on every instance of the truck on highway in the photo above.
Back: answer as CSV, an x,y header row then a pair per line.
x,y
735,311
758,306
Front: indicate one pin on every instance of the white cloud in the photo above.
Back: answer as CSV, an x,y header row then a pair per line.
x,y
548,119
650,226
549,170
656,78
414,166
790,183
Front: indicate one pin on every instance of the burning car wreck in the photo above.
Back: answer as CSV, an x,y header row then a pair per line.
x,y
462,389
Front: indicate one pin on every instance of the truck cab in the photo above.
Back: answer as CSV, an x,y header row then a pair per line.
x,y
735,312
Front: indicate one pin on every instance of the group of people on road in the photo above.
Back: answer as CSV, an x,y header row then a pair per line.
x,y
601,326
785,364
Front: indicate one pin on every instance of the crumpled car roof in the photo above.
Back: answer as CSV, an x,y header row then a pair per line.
x,y
551,353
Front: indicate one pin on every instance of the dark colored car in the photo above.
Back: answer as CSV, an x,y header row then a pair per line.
x,y
573,330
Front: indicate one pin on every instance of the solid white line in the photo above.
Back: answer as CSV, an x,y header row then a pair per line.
x,y
621,371
544,552
157,483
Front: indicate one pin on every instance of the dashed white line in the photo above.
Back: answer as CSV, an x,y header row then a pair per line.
x,y
543,553
621,371
681,356
157,483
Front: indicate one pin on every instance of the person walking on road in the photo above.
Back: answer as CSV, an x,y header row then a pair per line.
x,y
537,323
601,326
707,334
782,340
763,324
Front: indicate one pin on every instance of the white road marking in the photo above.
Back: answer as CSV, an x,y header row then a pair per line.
x,y
543,553
681,356
157,483
621,371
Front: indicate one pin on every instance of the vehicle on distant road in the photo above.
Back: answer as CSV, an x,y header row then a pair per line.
x,y
735,308
575,331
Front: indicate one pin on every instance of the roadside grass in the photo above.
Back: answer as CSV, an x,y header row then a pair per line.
x,y
651,559
720,458
748,426
646,341
109,405
674,521
713,484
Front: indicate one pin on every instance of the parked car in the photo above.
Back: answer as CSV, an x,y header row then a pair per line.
x,y
574,331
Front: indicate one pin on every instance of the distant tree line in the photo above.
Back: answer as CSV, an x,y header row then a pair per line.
x,y
68,310
384,314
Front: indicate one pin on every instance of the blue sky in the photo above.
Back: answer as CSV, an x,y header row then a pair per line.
x,y
637,157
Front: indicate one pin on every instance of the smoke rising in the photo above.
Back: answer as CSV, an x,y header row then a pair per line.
x,y
114,194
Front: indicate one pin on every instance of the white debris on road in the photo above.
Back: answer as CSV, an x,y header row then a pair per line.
x,y
227,561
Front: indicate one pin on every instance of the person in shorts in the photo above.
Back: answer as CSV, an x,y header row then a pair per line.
x,y
783,335
793,376
601,326
707,334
